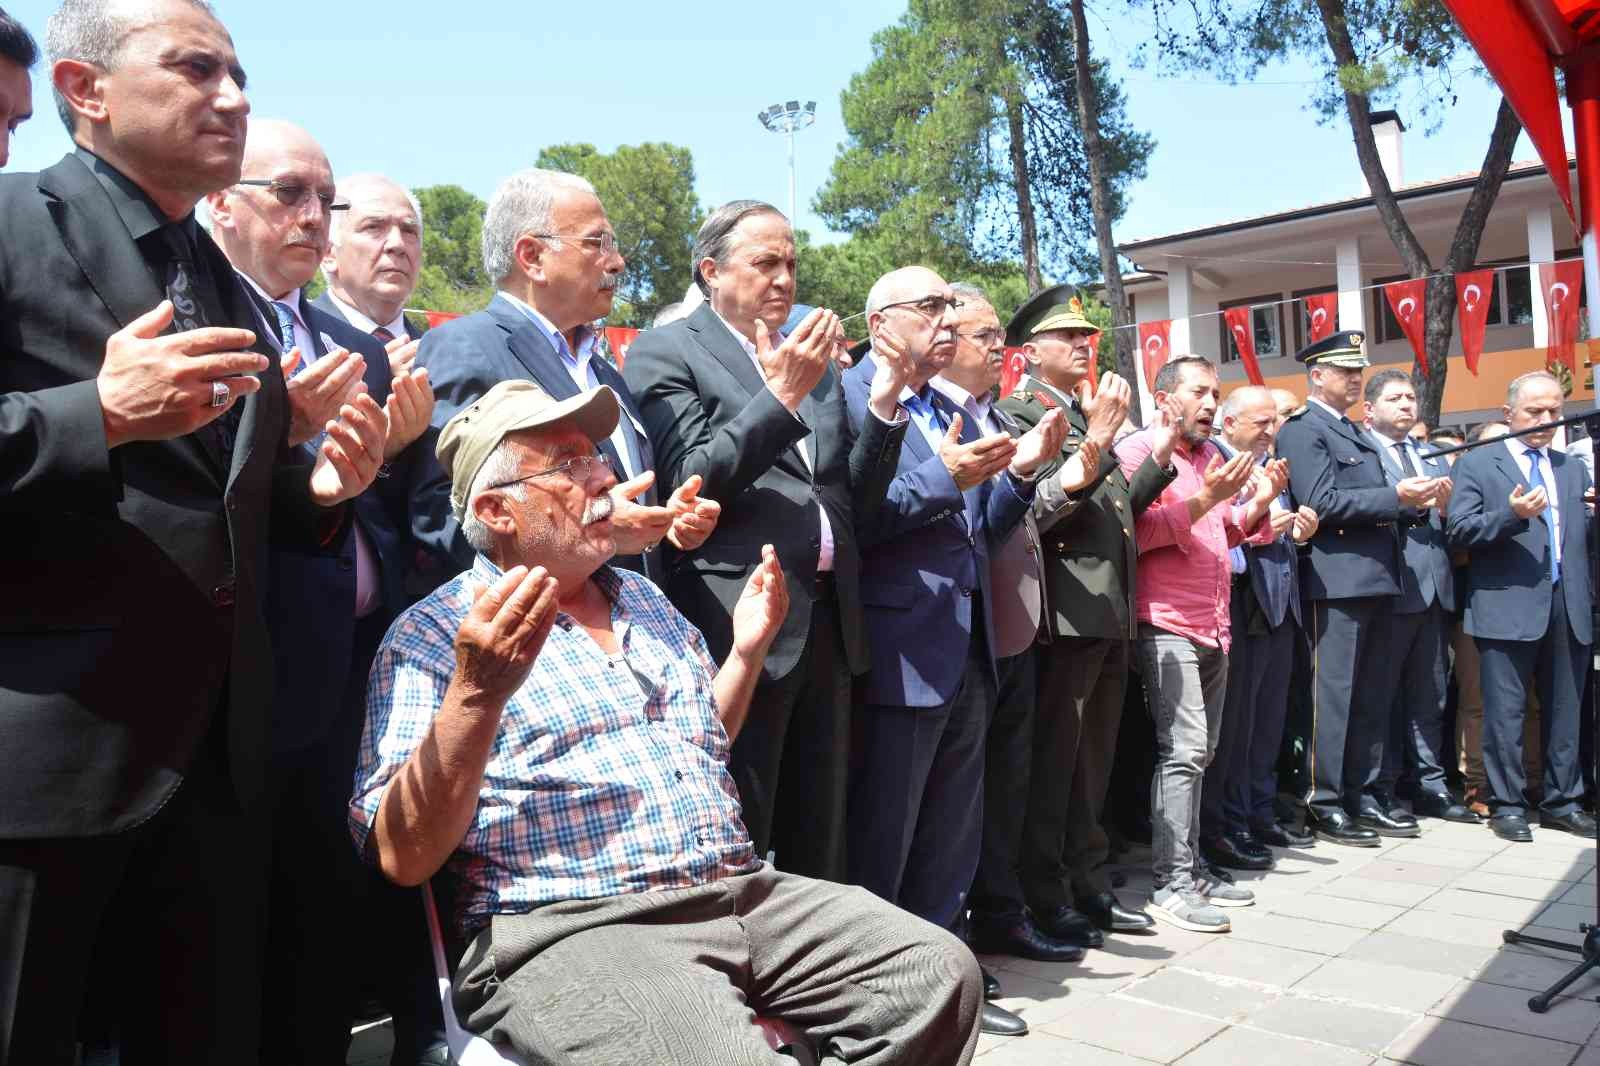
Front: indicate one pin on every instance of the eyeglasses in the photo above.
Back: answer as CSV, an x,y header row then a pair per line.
x,y
985,338
578,468
293,193
931,306
605,243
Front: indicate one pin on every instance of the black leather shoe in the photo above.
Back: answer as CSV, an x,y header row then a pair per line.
x,y
1246,842
997,1021
1339,828
1512,827
991,985
1019,936
1279,835
1109,915
1385,824
1443,805
1224,851
1065,924
1577,823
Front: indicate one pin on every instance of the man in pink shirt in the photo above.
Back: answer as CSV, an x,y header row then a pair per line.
x,y
1184,580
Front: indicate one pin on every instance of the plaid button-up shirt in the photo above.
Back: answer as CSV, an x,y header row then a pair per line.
x,y
608,774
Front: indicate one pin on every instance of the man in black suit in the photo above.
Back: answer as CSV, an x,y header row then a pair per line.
x,y
759,417
18,54
1420,623
373,258
1351,583
326,614
140,496
1520,509
550,248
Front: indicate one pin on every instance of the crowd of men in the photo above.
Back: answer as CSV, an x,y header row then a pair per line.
x,y
762,675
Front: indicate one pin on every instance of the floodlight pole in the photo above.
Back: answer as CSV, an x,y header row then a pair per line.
x,y
788,119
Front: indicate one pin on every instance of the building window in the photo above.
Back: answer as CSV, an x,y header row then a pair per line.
x,y
1266,319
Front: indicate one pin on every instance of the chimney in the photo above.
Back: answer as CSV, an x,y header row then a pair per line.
x,y
1388,131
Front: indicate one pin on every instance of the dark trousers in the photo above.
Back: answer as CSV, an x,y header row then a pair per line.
x,y
148,938
1008,762
1413,752
1347,732
1555,665
791,760
1081,683
916,796
1241,784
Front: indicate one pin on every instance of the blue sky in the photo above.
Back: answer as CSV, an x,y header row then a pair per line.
x,y
466,92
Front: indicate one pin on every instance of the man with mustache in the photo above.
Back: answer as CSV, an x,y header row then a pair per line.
x,y
18,54
145,471
550,730
553,256
1184,632
326,613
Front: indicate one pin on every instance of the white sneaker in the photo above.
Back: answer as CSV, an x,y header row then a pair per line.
x,y
1224,894
1188,910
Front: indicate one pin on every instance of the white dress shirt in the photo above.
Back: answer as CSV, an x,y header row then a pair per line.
x,y
1547,474
825,555
397,328
1393,449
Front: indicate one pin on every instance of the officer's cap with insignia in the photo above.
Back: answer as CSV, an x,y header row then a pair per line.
x,y
1057,307
1341,349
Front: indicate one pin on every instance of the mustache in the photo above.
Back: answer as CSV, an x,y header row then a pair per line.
x,y
610,281
598,509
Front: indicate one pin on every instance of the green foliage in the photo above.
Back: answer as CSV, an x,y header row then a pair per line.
x,y
452,277
648,193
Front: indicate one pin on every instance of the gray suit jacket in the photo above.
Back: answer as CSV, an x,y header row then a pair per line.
x,y
1016,574
1426,576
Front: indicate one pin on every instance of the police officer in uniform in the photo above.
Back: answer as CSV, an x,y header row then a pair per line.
x,y
1089,560
1351,582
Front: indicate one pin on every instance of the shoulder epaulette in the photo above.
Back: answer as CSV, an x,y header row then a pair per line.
x,y
1046,400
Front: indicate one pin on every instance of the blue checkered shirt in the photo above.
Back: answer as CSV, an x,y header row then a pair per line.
x,y
609,774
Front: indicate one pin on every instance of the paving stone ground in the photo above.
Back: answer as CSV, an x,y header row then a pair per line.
x,y
1351,956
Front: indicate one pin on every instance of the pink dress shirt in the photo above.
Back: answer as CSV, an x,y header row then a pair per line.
x,y
1185,579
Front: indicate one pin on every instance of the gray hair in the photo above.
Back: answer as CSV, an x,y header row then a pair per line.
x,y
967,292
715,239
523,204
94,31
502,465
1514,390
337,218
669,314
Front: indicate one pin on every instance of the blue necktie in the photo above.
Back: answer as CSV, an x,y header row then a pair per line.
x,y
286,331
1535,481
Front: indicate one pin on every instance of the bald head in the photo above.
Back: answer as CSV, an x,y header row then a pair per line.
x,y
1250,420
912,307
375,248
276,235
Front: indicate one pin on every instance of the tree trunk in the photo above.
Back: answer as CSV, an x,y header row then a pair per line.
x,y
1440,299
1100,204
1019,175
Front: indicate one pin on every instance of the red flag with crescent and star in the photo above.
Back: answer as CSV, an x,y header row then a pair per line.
x,y
1474,290
1011,370
617,339
1322,313
1155,348
1562,284
1406,300
1238,319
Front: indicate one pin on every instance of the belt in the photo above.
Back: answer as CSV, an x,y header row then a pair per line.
x,y
823,586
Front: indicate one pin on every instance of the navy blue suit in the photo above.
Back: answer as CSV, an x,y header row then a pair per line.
x,y
1526,628
465,358
916,791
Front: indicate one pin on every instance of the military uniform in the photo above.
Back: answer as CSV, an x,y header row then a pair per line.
x,y
1350,581
1089,560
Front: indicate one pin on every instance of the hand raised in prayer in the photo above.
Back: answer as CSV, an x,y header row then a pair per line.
x,y
407,411
351,454
499,640
317,393
694,518
761,609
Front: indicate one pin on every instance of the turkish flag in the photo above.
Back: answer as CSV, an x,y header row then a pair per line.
x,y
1244,339
1155,346
1473,292
617,339
1407,299
1563,285
439,318
1011,371
1322,310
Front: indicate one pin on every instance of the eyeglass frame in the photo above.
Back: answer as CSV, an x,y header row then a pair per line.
x,y
277,186
586,461
603,239
997,336
951,304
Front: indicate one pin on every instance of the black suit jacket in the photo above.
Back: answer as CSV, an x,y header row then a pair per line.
x,y
1335,470
709,412
133,578
465,358
310,602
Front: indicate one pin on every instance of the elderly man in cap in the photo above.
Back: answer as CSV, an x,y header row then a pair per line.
x,y
1337,470
554,732
1090,561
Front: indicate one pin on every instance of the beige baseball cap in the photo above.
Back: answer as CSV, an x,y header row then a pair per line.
x,y
467,439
